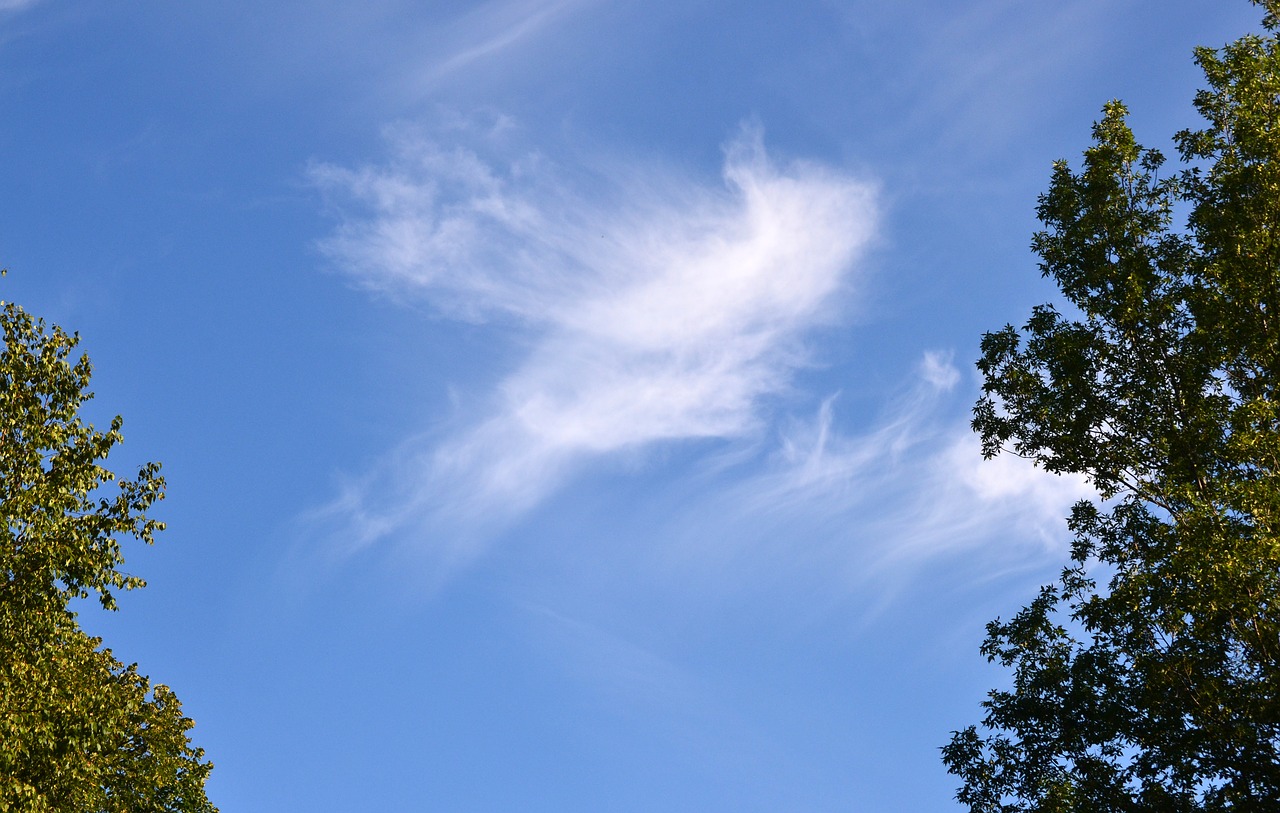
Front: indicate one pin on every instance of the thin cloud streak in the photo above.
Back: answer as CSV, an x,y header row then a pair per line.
x,y
833,520
662,310
493,30
910,490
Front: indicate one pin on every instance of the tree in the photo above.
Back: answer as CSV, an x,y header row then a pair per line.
x,y
1148,677
79,730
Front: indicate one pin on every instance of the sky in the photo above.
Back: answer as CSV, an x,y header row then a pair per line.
x,y
564,403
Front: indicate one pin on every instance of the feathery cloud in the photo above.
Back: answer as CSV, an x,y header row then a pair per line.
x,y
662,309
910,489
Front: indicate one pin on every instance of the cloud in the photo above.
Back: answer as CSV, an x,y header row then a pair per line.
x,y
16,5
911,489
656,309
495,27
830,517
660,308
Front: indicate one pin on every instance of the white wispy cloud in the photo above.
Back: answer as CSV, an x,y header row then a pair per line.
x,y
858,507
662,308
494,27
831,520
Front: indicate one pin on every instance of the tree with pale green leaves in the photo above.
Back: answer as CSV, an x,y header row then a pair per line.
x,y
1148,677
80,732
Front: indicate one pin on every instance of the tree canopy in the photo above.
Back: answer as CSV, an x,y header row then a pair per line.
x,y
79,730
1148,677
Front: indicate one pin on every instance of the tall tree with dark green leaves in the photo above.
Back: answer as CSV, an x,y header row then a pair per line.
x,y
1148,677
80,732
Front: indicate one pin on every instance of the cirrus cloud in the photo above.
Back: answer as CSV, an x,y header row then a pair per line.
x,y
661,308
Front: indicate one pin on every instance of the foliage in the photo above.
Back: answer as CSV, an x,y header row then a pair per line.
x,y
1160,689
79,730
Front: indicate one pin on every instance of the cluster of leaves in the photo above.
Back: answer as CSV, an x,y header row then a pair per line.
x,y
79,730
1161,689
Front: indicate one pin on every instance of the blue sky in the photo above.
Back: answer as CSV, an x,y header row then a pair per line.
x,y
564,403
